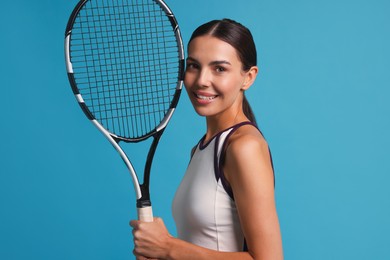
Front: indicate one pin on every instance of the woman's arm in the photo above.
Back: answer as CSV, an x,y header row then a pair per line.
x,y
152,240
249,171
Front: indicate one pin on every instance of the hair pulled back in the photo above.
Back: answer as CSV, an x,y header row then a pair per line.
x,y
242,41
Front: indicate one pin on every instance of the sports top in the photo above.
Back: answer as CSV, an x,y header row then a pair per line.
x,y
203,208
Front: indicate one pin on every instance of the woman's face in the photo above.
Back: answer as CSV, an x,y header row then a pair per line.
x,y
214,78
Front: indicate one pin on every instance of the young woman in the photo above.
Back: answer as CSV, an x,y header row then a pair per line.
x,y
224,207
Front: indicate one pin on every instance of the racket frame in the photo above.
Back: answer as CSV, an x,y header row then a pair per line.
x,y
141,190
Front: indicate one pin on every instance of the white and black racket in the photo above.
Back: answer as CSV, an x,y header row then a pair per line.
x,y
125,63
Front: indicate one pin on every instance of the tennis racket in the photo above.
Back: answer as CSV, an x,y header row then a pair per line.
x,y
125,64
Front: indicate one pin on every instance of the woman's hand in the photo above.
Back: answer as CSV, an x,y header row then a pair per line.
x,y
151,239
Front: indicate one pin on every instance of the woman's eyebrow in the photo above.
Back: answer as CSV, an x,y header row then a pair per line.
x,y
192,59
212,63
219,62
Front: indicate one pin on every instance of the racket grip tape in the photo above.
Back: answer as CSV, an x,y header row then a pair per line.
x,y
145,214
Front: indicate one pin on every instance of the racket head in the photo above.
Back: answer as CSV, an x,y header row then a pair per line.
x,y
125,63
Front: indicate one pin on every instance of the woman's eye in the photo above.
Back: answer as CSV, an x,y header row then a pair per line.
x,y
220,69
192,66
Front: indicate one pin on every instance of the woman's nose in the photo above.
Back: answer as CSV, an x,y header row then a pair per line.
x,y
204,78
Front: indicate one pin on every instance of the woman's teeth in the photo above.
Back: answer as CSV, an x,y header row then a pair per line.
x,y
205,97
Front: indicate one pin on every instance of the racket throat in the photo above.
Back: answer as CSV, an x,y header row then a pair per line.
x,y
144,201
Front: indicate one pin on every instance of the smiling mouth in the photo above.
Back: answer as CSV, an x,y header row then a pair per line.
x,y
206,98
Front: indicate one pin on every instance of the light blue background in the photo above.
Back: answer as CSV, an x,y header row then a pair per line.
x,y
322,100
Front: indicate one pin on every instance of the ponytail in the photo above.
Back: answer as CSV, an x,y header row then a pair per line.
x,y
248,111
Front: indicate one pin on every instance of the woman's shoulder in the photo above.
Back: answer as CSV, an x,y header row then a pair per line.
x,y
246,138
246,155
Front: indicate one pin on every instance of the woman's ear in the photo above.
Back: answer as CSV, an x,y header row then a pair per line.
x,y
250,77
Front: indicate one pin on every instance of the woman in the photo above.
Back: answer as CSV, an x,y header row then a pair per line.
x,y
224,207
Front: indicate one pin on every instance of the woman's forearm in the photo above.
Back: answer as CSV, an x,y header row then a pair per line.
x,y
181,250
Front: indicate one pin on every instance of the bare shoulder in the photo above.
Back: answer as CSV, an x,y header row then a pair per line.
x,y
247,140
247,154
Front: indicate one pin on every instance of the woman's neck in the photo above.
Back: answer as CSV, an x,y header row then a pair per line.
x,y
218,123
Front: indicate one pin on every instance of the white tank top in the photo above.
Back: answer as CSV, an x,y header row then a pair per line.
x,y
203,208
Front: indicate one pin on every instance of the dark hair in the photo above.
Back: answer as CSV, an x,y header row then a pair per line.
x,y
241,39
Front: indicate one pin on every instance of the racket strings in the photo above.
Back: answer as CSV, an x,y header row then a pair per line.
x,y
125,61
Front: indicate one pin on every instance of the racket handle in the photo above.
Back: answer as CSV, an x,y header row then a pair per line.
x,y
145,214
